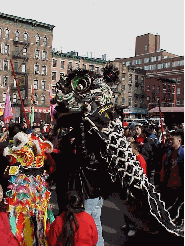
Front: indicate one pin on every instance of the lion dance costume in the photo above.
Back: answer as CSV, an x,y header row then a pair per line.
x,y
28,196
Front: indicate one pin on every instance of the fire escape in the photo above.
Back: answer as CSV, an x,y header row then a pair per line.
x,y
20,59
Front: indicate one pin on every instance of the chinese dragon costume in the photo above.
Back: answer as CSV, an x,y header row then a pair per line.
x,y
95,155
28,195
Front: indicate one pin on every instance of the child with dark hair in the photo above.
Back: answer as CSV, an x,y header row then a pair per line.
x,y
139,157
6,236
74,227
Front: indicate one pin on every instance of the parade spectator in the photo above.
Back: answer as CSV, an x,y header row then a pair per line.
x,y
125,124
6,236
74,226
153,134
139,135
127,133
148,150
139,157
172,173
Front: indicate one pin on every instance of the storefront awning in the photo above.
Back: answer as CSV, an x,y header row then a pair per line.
x,y
167,110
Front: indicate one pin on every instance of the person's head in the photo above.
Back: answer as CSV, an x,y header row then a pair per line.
x,y
126,131
135,148
176,139
138,129
3,206
74,203
13,129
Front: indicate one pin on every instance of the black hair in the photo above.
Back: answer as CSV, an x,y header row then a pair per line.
x,y
74,202
136,145
13,129
178,133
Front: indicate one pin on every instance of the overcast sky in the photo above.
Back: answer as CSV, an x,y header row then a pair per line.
x,y
105,26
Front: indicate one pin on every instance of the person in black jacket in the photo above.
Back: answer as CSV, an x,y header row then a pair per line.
x,y
148,150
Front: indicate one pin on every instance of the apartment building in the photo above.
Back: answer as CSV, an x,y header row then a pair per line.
x,y
160,66
28,44
62,63
129,93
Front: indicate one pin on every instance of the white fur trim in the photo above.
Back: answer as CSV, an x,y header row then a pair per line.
x,y
6,151
23,138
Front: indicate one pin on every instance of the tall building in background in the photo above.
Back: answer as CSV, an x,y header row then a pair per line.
x,y
28,43
162,70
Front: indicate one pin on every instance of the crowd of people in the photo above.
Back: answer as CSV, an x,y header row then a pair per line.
x,y
160,154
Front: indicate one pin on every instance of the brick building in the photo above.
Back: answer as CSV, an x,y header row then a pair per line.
x,y
130,93
161,67
62,63
28,43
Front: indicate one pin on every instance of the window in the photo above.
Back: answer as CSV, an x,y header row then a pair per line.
x,y
54,74
128,63
4,96
25,36
146,60
5,67
61,75
43,70
43,85
53,89
133,62
148,87
173,89
23,68
139,61
130,77
123,76
36,68
84,66
178,101
129,88
70,65
17,35
146,67
7,34
77,65
5,81
62,64
160,66
44,55
96,69
153,87
178,80
35,99
6,49
35,85
148,99
182,63
37,54
14,98
91,67
42,99
130,101
178,91
158,88
159,58
164,86
123,100
0,32
45,41
16,66
24,52
37,39
153,58
54,62
123,88
146,47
